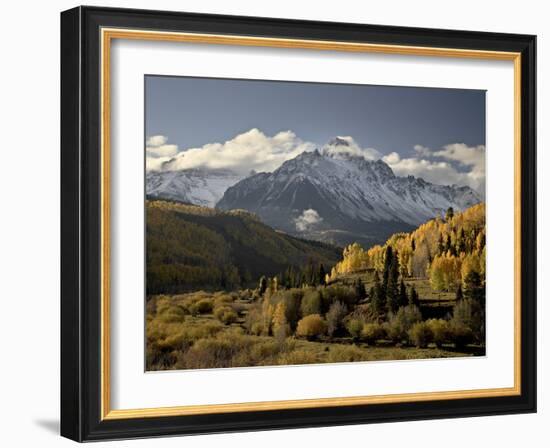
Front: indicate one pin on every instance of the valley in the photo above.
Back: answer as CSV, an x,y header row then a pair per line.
x,y
225,290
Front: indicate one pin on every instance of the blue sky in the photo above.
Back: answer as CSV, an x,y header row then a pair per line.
x,y
411,128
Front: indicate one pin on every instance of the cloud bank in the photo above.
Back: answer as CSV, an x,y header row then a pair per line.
x,y
249,151
455,163
253,150
158,151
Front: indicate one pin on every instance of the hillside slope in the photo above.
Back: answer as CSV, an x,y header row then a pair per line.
x,y
191,247
444,249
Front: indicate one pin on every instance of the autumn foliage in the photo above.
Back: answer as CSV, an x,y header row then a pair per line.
x,y
445,250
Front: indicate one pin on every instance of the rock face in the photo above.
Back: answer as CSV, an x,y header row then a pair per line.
x,y
341,197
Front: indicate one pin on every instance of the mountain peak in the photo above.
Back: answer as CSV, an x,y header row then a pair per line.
x,y
340,141
384,169
351,197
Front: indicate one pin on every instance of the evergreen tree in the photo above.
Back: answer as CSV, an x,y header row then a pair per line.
x,y
413,297
322,274
459,295
378,299
473,288
360,291
388,261
449,214
480,242
461,242
403,299
392,288
263,285
413,245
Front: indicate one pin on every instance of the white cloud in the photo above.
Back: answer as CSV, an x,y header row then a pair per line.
x,y
464,154
345,145
422,150
251,150
392,158
156,147
156,140
307,219
155,163
446,171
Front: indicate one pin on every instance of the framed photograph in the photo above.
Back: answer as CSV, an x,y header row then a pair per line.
x,y
276,224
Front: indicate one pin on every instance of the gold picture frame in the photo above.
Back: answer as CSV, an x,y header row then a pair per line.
x,y
106,32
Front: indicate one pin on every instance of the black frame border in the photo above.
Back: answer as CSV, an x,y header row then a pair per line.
x,y
81,224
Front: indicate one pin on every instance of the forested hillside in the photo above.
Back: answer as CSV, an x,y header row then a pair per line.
x,y
191,247
445,250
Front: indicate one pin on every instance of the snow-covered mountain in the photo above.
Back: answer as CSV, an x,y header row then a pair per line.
x,y
339,196
195,186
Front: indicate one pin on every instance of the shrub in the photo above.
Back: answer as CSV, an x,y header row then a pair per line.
x,y
297,357
245,294
469,313
172,313
311,303
335,316
204,330
365,313
338,293
345,353
222,299
292,299
372,332
461,335
354,327
401,322
259,353
211,352
440,331
257,328
202,306
255,322
225,314
420,334
311,326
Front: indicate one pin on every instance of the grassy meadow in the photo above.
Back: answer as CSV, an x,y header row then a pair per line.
x,y
211,330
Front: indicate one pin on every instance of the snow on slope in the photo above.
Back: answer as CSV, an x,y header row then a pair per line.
x,y
195,186
347,192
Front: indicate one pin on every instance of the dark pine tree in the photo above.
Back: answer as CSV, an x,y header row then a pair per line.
x,y
459,296
322,274
388,260
263,285
403,299
461,242
449,246
473,288
392,289
378,299
360,291
413,297
449,214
